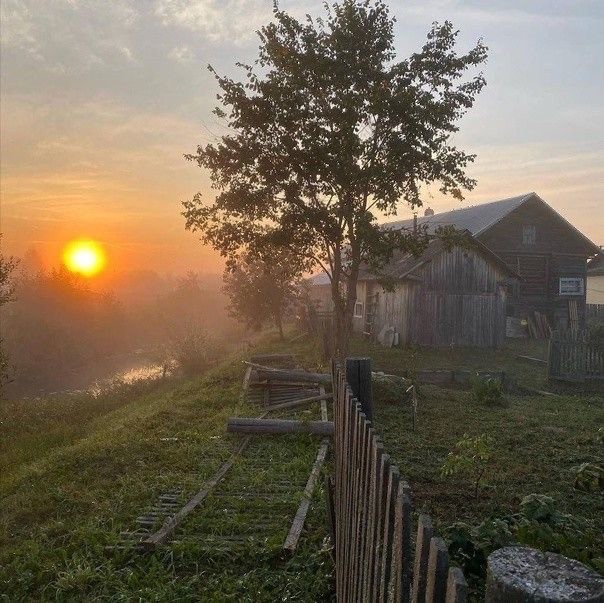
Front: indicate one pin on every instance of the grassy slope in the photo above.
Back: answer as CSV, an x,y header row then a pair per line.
x,y
93,471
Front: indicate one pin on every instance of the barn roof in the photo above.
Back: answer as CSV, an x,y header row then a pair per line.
x,y
402,265
319,279
479,218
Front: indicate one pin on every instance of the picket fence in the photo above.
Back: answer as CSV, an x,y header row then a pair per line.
x,y
572,356
375,556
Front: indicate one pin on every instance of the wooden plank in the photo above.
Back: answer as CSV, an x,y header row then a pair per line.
x,y
422,552
388,535
457,587
301,402
267,372
438,568
402,563
358,376
531,359
278,426
331,518
291,542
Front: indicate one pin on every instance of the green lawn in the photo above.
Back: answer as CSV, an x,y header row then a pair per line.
x,y
77,471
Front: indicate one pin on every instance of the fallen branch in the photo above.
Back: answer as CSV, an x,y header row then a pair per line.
x,y
274,426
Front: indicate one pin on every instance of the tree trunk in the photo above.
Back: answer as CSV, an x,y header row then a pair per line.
x,y
279,323
343,312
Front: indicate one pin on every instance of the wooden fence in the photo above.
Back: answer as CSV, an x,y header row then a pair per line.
x,y
572,356
594,312
371,512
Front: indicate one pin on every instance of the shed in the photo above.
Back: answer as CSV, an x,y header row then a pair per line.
x,y
447,296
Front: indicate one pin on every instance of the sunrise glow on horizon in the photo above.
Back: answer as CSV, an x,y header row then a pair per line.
x,y
84,257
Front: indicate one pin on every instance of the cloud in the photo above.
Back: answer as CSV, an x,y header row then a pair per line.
x,y
233,20
182,54
75,32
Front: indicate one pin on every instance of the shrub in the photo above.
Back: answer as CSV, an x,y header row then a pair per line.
x,y
390,390
195,351
538,524
589,477
488,392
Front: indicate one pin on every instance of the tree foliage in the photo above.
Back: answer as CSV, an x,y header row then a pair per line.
x,y
326,133
262,289
8,266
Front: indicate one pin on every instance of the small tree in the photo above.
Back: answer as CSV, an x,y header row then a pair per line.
x,y
263,289
329,131
7,294
471,457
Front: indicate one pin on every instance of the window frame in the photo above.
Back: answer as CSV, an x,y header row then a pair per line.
x,y
529,235
567,279
358,303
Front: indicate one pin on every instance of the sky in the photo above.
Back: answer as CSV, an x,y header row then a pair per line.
x,y
100,101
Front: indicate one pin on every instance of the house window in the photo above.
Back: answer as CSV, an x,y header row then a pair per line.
x,y
572,286
358,310
529,234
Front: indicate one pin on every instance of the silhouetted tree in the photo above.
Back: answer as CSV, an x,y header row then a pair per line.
x,y
327,132
7,292
263,288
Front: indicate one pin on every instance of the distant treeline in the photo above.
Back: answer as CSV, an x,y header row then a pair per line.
x,y
60,324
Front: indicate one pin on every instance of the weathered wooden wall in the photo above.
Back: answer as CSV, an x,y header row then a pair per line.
x,y
457,298
558,251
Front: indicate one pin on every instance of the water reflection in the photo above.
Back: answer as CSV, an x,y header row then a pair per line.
x,y
128,377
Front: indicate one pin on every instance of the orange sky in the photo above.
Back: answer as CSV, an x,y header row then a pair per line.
x,y
101,100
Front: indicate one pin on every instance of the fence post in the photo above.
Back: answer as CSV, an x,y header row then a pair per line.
x,y
358,376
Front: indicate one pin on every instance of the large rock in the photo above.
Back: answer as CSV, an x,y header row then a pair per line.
x,y
522,575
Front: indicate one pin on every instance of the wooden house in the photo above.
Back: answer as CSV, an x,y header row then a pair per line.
x,y
595,280
446,296
548,253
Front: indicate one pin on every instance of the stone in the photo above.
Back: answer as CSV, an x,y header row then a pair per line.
x,y
523,575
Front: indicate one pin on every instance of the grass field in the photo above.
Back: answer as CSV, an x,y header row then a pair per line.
x,y
74,476
536,443
77,471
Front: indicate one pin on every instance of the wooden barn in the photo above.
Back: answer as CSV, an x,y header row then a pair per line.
x,y
445,297
548,253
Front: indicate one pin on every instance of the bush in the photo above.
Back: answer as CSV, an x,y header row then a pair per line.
x,y
538,524
195,351
390,390
488,392
471,457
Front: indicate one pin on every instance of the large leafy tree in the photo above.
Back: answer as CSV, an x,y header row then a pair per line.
x,y
326,132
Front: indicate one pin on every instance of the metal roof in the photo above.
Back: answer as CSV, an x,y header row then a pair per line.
x,y
477,219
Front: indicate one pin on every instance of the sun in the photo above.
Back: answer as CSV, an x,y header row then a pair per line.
x,y
84,257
